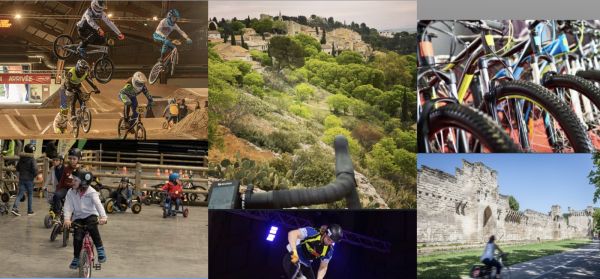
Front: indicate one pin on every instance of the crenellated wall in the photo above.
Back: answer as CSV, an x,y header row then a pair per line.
x,y
467,208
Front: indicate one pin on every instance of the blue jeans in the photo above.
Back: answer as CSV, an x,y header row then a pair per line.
x,y
132,102
25,186
493,262
169,205
167,44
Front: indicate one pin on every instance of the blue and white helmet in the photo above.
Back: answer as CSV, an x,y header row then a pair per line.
x,y
98,6
172,16
173,177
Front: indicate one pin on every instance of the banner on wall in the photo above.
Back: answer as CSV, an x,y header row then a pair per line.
x,y
25,78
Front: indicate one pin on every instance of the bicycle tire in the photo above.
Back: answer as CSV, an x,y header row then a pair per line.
x,y
122,133
155,72
84,265
473,121
140,132
55,47
566,118
65,237
54,232
87,124
579,84
106,68
47,221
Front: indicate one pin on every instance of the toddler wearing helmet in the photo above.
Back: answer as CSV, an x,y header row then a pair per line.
x,y
83,207
174,191
89,30
123,191
128,95
164,29
70,91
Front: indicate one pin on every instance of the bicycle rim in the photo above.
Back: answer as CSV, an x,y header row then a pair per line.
x,y
140,132
103,70
154,73
86,120
85,267
59,46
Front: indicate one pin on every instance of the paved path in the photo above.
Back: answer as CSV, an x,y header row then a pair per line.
x,y
583,262
144,245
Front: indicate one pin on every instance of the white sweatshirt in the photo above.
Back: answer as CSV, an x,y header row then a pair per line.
x,y
91,17
81,207
164,29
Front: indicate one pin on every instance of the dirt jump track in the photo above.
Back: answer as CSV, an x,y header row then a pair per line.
x,y
36,122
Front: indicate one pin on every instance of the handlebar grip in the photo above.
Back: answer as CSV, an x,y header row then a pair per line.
x,y
494,24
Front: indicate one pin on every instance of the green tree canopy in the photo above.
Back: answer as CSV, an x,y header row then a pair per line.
x,y
349,57
513,203
287,52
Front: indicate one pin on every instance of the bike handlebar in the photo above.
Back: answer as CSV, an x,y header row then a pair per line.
x,y
344,186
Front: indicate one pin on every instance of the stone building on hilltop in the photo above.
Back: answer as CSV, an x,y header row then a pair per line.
x,y
467,208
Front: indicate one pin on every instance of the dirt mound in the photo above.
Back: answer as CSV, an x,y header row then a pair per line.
x,y
194,124
53,101
233,145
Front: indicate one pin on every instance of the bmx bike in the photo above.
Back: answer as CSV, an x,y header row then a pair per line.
x,y
167,62
83,116
58,228
102,69
486,271
137,128
87,256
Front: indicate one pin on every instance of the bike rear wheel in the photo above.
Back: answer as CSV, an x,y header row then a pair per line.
x,y
59,46
85,266
155,72
48,221
55,229
103,70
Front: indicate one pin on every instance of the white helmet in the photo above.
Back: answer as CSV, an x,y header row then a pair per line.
x,y
138,80
98,5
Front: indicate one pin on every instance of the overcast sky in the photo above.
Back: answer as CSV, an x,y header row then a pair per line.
x,y
378,14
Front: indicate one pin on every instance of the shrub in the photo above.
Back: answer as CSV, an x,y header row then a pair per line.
x,y
332,121
300,110
367,134
304,92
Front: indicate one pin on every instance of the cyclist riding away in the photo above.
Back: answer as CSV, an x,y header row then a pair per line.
x,y
83,206
171,112
164,29
128,95
174,191
70,91
66,178
308,244
488,255
89,30
118,196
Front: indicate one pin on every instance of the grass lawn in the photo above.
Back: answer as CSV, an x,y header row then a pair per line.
x,y
458,263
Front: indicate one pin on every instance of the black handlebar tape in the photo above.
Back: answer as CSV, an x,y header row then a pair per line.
x,y
494,24
344,186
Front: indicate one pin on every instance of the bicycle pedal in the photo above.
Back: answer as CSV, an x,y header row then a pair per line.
x,y
97,266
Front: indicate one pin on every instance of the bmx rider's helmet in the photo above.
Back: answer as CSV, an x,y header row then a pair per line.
x,y
98,6
81,67
172,16
335,232
75,152
29,148
58,157
138,80
173,177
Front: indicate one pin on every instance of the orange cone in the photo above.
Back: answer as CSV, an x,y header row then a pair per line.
x,y
124,169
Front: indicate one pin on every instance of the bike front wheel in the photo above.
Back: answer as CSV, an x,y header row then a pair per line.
x,y
538,119
76,126
85,266
86,120
103,70
122,132
454,128
140,132
155,72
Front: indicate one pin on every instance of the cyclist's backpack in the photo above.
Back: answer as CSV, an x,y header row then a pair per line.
x,y
174,109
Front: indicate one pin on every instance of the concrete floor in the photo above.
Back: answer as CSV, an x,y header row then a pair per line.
x,y
144,245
